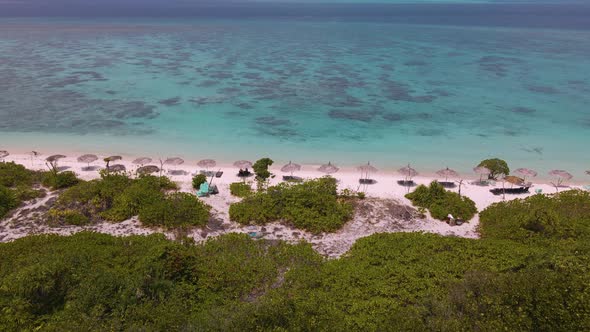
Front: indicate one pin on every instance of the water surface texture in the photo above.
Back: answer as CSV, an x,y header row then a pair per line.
x,y
303,89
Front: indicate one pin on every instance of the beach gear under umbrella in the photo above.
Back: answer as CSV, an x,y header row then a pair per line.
x,y
207,163
366,169
117,168
328,168
3,154
290,168
526,172
447,173
481,170
243,164
111,158
142,161
148,169
408,172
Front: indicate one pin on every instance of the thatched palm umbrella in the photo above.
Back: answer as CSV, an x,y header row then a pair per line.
x,y
142,161
87,159
328,168
447,173
117,168
243,164
408,172
206,163
481,170
526,172
561,177
366,169
3,154
148,169
53,159
290,168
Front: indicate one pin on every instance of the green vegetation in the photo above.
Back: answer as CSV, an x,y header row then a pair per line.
x,y
562,217
96,282
312,205
441,202
496,166
16,186
240,189
117,197
506,281
8,200
198,180
59,180
178,210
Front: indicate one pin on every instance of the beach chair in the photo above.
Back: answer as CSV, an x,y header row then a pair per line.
x,y
367,181
408,183
447,185
219,174
539,191
203,190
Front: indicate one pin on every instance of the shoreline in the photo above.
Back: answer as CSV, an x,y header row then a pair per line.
x,y
390,169
383,196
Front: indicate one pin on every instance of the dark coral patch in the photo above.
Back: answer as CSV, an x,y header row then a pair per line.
x,y
353,115
170,101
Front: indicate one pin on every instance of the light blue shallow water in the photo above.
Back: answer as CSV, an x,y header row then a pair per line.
x,y
300,90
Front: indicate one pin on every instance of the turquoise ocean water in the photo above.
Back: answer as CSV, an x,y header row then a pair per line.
x,y
298,89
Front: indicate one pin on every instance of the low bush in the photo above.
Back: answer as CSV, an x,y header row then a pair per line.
x,y
16,186
312,205
68,217
8,200
441,202
59,180
561,216
240,189
14,175
177,210
114,197
198,180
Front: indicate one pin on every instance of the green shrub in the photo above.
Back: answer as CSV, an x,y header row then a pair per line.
x,y
563,216
312,205
198,180
61,180
67,217
176,210
8,200
24,193
114,197
441,202
496,166
12,175
240,189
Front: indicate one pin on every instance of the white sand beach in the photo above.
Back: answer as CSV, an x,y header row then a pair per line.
x,y
385,209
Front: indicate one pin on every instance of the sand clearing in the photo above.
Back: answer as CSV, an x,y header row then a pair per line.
x,y
385,209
